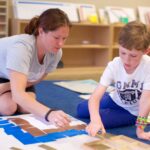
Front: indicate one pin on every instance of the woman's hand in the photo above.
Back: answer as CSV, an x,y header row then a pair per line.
x,y
141,134
94,127
59,118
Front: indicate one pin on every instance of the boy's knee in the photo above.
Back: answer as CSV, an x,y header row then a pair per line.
x,y
82,110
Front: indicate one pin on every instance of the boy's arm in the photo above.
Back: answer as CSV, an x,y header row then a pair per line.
x,y
96,123
144,109
94,102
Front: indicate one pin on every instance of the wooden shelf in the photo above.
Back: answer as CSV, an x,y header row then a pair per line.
x,y
115,46
90,24
87,46
3,18
77,73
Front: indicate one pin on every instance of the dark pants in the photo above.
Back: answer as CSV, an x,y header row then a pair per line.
x,y
111,114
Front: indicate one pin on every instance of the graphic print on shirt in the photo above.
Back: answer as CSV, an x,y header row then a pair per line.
x,y
130,92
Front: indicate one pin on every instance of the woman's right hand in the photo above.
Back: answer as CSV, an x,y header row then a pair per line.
x,y
94,127
59,118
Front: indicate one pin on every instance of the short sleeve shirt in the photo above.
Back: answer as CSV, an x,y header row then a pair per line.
x,y
19,53
128,87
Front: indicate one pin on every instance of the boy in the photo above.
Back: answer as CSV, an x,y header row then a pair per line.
x,y
129,103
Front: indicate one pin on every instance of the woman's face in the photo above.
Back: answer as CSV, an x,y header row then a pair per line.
x,y
130,58
52,41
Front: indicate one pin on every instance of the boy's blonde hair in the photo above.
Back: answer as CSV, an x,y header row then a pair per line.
x,y
135,35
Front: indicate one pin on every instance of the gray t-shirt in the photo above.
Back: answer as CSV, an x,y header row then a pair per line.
x,y
19,53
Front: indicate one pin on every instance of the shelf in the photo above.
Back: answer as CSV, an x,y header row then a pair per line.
x,y
2,33
116,28
3,18
3,14
90,24
3,23
3,7
77,73
115,46
117,25
87,46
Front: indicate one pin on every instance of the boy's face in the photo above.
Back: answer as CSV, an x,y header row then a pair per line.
x,y
130,58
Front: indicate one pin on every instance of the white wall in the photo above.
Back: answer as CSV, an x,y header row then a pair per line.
x,y
103,3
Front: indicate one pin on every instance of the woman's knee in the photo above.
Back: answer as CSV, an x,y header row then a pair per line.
x,y
9,109
7,105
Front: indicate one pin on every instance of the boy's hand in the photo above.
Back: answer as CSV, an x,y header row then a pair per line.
x,y
141,134
94,127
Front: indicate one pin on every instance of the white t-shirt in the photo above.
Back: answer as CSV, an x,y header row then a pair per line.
x,y
19,53
128,87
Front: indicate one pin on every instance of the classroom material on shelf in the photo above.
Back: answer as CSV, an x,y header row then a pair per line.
x,y
103,18
119,142
3,18
29,132
144,14
26,9
120,14
87,13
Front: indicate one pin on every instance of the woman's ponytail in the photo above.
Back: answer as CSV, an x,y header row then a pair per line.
x,y
32,26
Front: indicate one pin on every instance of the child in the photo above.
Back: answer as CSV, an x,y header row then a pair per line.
x,y
26,59
129,103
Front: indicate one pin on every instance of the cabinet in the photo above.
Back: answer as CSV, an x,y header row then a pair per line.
x,y
3,18
87,46
87,50
114,40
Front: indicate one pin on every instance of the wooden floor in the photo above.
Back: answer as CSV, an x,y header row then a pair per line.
x,y
76,73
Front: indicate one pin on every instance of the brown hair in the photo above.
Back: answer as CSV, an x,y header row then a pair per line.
x,y
135,35
49,20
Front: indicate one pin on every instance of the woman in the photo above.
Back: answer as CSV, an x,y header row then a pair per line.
x,y
26,59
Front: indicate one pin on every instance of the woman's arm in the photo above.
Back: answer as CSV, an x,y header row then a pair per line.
x,y
144,109
18,83
33,83
6,86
